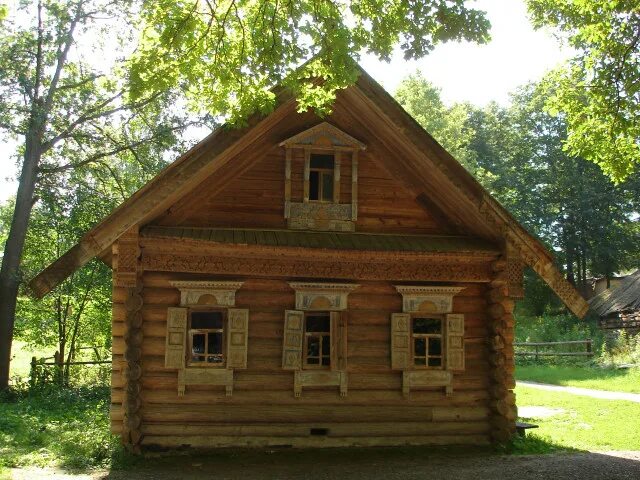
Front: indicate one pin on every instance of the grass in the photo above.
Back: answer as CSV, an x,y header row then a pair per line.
x,y
619,380
585,423
57,427
21,354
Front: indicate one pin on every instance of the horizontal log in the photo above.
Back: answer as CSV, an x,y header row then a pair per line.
x,y
334,429
241,414
325,396
311,442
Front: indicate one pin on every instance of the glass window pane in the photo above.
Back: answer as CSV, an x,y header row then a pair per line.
x,y
427,325
197,344
435,346
435,362
314,185
197,359
321,161
206,320
420,361
215,343
326,345
215,359
420,347
313,361
318,323
327,186
313,347
326,361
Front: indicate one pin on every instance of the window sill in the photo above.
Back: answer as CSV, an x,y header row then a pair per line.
x,y
319,378
205,376
426,378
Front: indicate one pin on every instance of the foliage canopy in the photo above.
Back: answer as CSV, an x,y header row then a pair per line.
x,y
228,54
599,90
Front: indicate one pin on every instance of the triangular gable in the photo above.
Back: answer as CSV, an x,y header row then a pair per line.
x,y
323,135
420,161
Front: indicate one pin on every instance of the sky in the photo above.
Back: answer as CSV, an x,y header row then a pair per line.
x,y
464,72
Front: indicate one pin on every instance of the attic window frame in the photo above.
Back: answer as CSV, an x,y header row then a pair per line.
x,y
337,160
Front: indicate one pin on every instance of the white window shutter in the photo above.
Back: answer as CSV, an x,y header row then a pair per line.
x,y
175,347
455,341
237,337
292,344
400,341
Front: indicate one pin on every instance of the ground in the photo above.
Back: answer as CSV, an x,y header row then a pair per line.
x,y
371,464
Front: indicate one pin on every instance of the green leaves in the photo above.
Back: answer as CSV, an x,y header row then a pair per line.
x,y
599,90
228,55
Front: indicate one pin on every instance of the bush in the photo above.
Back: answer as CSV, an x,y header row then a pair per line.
x,y
54,426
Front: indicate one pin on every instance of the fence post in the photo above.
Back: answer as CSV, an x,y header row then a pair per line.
x,y
589,347
537,353
58,366
33,373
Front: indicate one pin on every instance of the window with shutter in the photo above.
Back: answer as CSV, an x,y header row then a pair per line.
x,y
174,354
427,341
315,336
455,342
400,341
237,337
206,340
292,343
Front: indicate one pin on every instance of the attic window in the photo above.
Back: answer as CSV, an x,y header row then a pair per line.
x,y
321,177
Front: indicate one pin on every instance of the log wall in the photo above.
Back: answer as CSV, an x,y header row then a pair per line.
x,y
255,199
263,409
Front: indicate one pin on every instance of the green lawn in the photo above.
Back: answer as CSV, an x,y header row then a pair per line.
x,y
585,423
620,380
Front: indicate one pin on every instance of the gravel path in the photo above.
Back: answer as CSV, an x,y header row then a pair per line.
x,y
377,464
587,392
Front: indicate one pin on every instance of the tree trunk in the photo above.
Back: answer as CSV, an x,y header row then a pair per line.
x,y
10,271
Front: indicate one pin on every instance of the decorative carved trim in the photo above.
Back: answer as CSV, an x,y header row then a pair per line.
x,y
427,299
450,271
322,296
319,378
222,294
128,249
334,217
426,378
317,136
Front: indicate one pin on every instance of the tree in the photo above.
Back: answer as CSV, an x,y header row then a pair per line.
x,y
63,97
228,54
599,90
448,125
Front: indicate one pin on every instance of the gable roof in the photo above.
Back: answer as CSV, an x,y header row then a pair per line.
x,y
433,175
624,298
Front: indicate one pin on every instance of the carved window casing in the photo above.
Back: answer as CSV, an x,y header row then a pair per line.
x,y
317,355
427,339
206,337
324,147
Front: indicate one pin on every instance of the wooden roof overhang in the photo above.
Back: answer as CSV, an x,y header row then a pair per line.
x,y
283,253
437,180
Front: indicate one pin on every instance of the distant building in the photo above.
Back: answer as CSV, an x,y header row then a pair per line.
x,y
619,307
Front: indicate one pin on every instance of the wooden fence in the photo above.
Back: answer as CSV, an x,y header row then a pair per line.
x,y
52,368
542,349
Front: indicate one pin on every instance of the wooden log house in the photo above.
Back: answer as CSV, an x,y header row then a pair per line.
x,y
314,282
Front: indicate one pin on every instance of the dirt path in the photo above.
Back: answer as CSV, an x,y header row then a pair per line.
x,y
587,392
379,464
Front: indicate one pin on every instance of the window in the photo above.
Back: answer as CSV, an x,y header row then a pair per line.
x,y
426,335
206,338
317,340
321,178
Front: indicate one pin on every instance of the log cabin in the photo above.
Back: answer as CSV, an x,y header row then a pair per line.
x,y
314,282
